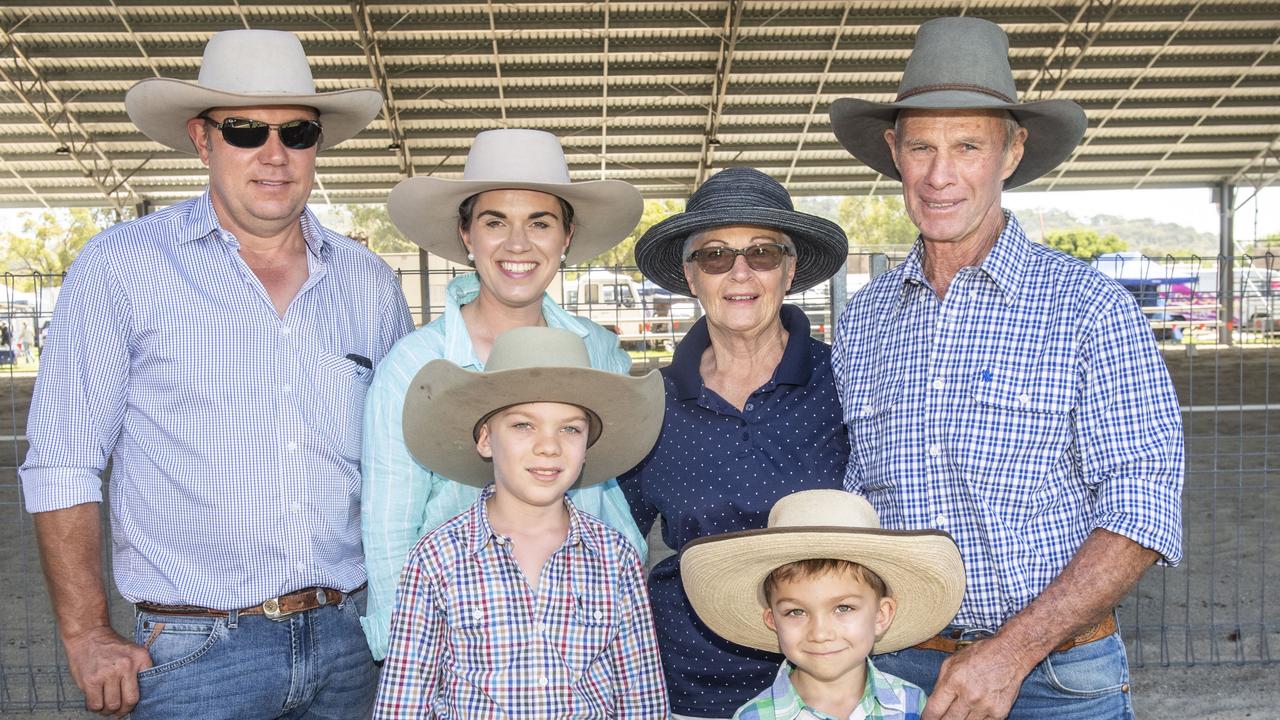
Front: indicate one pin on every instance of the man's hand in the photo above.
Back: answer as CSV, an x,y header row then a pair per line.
x,y
105,666
978,682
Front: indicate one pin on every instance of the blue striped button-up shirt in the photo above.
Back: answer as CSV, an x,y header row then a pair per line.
x,y
403,500
470,639
234,433
1020,413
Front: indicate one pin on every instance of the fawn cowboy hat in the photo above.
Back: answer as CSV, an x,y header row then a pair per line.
x,y
426,208
724,574
742,196
246,68
961,63
446,405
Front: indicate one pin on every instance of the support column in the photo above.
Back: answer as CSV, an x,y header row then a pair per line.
x,y
1226,260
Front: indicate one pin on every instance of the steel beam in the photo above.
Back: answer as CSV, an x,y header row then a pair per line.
x,y
817,95
724,65
378,71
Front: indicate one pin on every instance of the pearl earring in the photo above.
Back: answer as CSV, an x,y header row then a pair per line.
x,y
471,257
562,256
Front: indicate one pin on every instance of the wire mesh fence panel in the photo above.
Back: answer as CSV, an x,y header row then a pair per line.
x,y
1223,353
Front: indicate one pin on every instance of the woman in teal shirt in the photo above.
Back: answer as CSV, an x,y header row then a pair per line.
x,y
516,218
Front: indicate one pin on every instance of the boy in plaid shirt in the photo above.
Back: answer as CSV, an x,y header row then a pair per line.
x,y
522,606
826,586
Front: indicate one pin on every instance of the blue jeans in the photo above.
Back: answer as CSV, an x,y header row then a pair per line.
x,y
1087,682
314,664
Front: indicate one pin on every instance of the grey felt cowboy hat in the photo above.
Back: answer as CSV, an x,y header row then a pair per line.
x,y
446,405
425,209
247,68
742,196
724,574
961,63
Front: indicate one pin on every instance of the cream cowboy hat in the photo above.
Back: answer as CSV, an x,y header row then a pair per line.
x,y
961,63
426,208
724,574
446,404
246,68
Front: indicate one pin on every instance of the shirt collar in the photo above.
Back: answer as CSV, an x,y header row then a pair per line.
x,y
480,532
787,704
1004,265
795,367
202,222
464,289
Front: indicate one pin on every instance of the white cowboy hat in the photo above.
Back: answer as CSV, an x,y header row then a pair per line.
x,y
247,68
961,63
724,574
426,208
446,404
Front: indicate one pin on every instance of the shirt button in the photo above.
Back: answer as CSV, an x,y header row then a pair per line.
x,y
935,450
295,506
286,388
940,520
300,566
542,628
867,409
750,406
973,294
542,681
285,330
477,615
598,615
292,446
938,384
1024,398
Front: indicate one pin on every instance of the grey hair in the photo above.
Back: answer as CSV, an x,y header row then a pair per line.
x,y
693,239
1009,122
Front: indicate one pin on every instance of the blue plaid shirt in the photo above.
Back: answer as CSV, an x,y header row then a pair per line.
x,y
469,639
883,697
234,433
1020,413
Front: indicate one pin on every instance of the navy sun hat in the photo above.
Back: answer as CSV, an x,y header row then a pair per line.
x,y
742,196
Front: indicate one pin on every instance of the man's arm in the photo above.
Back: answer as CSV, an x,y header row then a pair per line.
x,y
103,664
982,681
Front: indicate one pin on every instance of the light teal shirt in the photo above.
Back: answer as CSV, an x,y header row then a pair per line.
x,y
401,500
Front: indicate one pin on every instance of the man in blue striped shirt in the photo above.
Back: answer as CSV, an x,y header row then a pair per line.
x,y
217,353
1005,393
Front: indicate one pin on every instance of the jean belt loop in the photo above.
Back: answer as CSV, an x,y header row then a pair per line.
x,y
233,619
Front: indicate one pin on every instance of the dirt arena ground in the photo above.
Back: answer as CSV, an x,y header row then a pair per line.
x,y
1220,606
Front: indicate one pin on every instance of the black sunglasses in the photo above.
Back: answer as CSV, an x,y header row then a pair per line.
x,y
719,259
242,133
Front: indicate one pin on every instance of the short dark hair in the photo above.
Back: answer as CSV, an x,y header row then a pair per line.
x,y
822,566
468,206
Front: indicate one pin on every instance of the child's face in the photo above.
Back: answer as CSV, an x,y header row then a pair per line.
x,y
537,450
827,624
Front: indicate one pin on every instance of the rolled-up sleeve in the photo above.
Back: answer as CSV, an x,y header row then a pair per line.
x,y
78,407
1130,433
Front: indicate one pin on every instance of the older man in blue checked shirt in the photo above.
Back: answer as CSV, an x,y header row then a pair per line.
x,y
1005,393
217,353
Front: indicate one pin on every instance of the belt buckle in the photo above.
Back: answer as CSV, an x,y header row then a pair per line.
x,y
978,636
271,608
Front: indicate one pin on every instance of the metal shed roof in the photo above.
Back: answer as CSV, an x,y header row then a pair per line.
x,y
660,94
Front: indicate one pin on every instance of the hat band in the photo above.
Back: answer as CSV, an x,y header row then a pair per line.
x,y
954,86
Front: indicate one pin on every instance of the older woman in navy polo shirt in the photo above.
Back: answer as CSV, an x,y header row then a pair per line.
x,y
752,412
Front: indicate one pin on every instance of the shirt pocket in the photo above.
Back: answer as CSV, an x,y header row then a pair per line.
x,y
1017,434
592,625
336,406
870,414
483,638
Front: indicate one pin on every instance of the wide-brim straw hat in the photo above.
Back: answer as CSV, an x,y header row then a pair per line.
x,y
724,574
961,63
742,196
426,208
247,68
446,404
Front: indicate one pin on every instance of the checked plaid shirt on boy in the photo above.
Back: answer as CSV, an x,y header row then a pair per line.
x,y
885,697
469,639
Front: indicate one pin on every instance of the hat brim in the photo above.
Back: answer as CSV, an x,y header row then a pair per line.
x,y
161,107
425,209
1054,129
821,246
445,402
723,577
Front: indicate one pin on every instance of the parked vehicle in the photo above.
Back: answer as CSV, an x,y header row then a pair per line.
x,y
649,318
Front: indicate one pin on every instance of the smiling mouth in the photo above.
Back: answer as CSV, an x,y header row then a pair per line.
x,y
545,473
941,205
740,298
517,268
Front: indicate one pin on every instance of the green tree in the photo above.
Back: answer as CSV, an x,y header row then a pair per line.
x,y
877,221
49,242
372,223
624,253
1084,244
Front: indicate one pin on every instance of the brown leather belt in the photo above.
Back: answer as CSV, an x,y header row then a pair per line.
x,y
950,643
277,608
